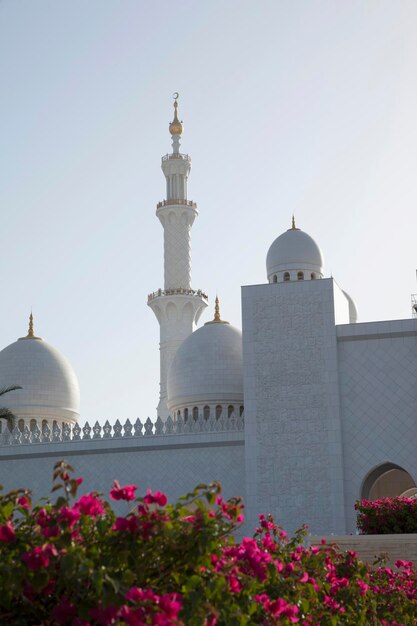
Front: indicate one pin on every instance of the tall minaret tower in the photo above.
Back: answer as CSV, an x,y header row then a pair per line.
x,y
177,306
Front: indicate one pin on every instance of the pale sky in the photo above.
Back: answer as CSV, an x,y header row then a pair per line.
x,y
304,106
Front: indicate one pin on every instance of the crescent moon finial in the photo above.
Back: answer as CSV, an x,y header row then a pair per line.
x,y
175,95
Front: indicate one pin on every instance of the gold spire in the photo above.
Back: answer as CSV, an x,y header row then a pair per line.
x,y
30,331
217,319
31,334
217,310
175,128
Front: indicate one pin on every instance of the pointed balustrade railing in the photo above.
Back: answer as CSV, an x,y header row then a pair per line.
x,y
47,433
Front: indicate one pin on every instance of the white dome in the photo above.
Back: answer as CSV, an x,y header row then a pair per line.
x,y
50,387
353,311
207,368
294,251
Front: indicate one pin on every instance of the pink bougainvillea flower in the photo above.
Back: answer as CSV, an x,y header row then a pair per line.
x,y
90,505
122,493
24,502
36,558
104,615
157,498
7,533
64,611
70,516
170,604
126,524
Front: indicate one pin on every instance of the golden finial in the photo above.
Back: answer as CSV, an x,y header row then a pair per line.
x,y
175,128
217,310
30,331
31,334
217,319
293,223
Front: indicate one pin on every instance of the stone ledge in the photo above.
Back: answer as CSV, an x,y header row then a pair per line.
x,y
369,547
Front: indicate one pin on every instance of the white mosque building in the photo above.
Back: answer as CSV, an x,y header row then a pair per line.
x,y
301,413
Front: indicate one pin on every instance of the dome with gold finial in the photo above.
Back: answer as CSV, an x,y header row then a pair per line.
x,y
206,375
176,128
294,256
49,386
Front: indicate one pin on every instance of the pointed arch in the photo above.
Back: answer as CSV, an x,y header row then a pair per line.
x,y
386,480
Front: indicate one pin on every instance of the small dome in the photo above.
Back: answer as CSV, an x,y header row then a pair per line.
x,y
353,311
207,368
294,252
50,387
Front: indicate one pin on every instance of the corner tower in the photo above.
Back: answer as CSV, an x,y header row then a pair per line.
x,y
177,306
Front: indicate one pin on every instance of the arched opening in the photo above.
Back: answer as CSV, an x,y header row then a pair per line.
x,y
21,425
241,411
32,425
195,413
44,424
313,276
218,411
386,481
178,414
230,410
206,412
275,278
300,275
286,277
185,415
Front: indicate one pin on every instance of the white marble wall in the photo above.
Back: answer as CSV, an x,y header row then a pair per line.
x,y
174,464
378,388
292,416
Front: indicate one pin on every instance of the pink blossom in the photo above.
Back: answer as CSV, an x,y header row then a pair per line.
x,y
126,524
36,558
7,533
157,497
70,516
64,611
122,493
24,502
90,505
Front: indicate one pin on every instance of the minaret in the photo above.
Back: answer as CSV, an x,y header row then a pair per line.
x,y
177,306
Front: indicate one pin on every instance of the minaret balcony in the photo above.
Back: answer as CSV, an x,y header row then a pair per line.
x,y
198,293
177,155
176,201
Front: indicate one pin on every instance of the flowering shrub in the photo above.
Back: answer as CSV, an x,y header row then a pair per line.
x,y
74,562
387,516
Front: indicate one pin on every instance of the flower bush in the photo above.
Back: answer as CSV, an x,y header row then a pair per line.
x,y
74,562
387,516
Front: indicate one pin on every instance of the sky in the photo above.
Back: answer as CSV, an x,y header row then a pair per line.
x,y
289,106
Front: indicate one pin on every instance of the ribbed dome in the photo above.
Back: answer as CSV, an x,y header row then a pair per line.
x,y
292,251
50,387
207,367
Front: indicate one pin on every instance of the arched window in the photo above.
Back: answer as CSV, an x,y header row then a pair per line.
x,y
300,275
185,415
206,412
195,413
286,277
387,480
230,410
44,424
241,411
32,424
178,413
313,276
21,425
219,411
275,278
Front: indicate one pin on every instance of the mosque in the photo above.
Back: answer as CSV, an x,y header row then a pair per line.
x,y
301,413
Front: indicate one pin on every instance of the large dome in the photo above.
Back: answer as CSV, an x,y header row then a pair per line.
x,y
207,369
294,253
50,387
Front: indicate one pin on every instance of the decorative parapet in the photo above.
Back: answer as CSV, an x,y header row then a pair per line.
x,y
177,292
65,433
176,201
